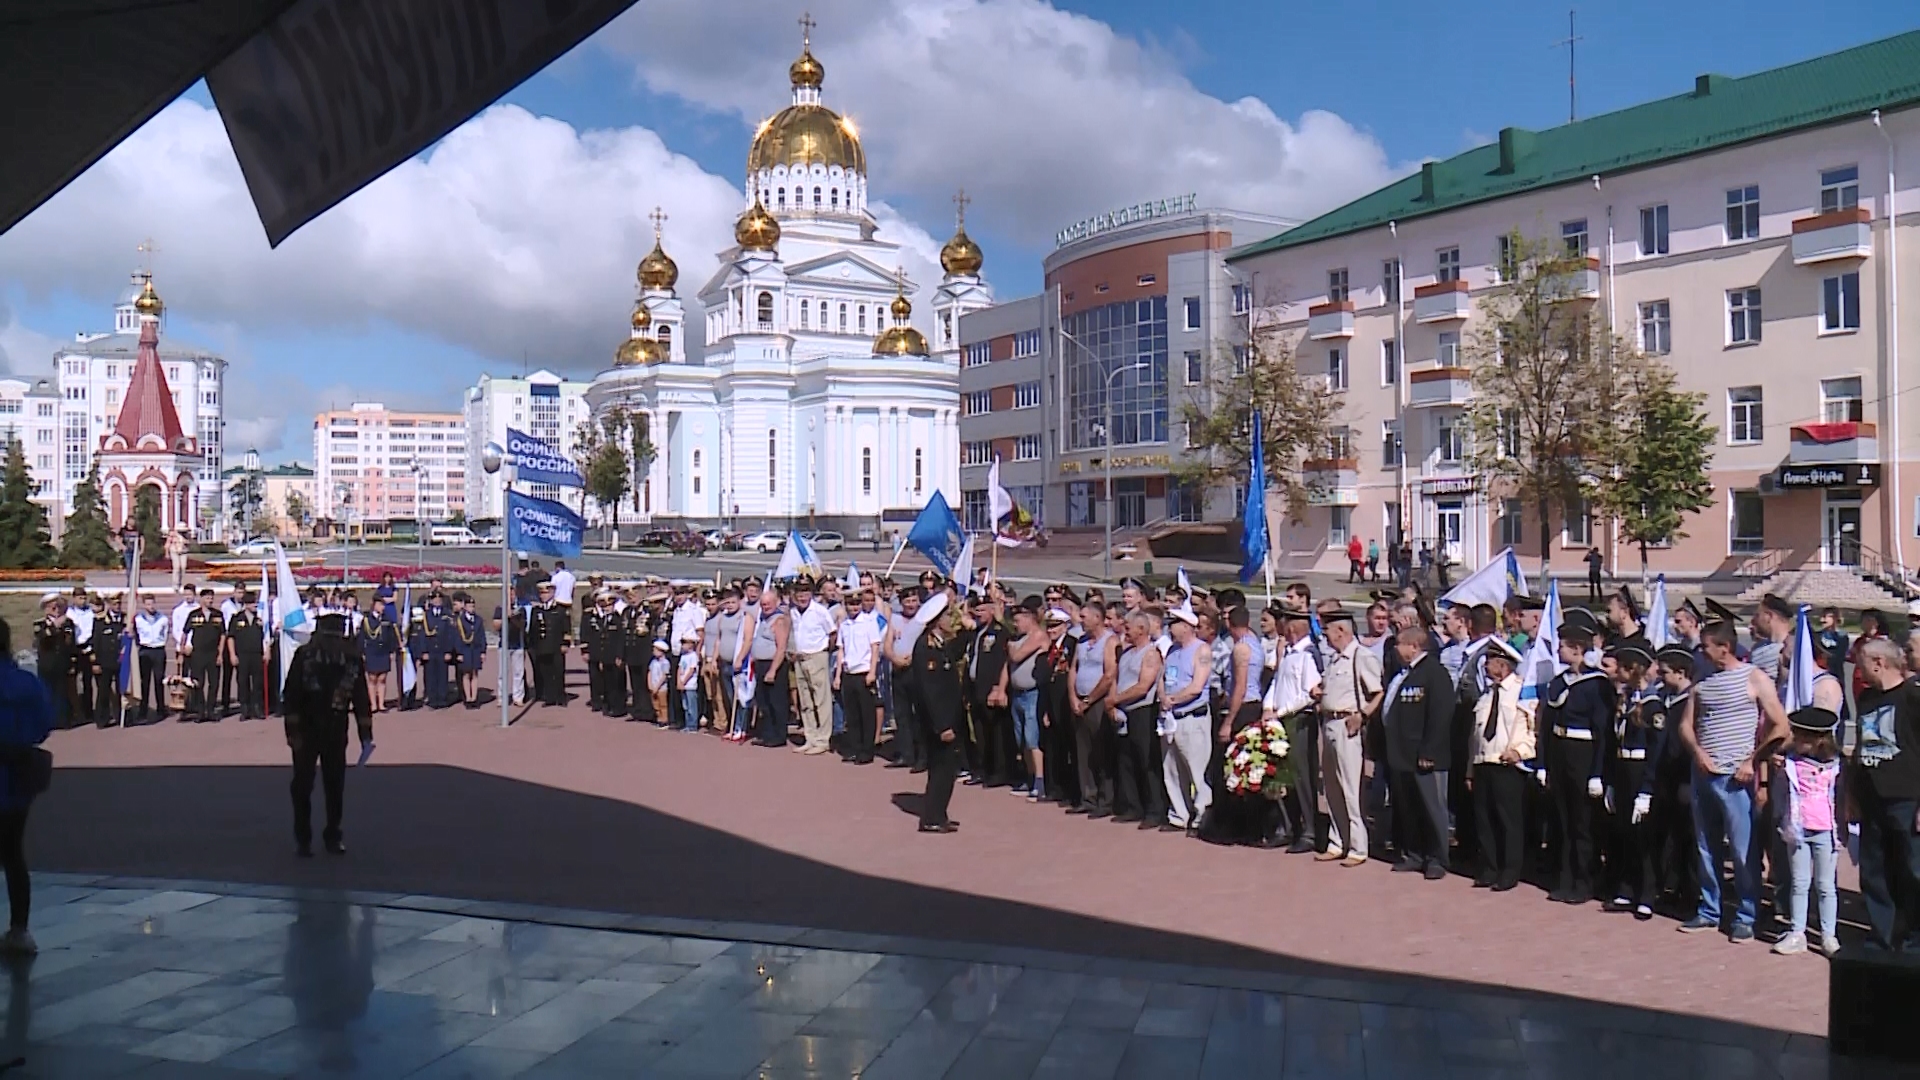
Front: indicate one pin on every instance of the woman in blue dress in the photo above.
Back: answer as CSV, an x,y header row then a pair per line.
x,y
379,641
383,595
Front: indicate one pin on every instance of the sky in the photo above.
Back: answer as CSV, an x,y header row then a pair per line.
x,y
510,244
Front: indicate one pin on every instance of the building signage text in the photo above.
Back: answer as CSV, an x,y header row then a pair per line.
x,y
1826,476
1452,485
1127,215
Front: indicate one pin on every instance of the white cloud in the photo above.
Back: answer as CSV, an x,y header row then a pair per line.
x,y
1042,115
23,351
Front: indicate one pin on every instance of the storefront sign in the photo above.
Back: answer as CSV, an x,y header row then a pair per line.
x,y
1826,476
1451,485
1126,215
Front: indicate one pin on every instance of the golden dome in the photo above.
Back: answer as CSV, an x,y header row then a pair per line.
x,y
642,318
637,351
148,302
756,230
806,72
658,272
900,341
806,135
961,255
901,308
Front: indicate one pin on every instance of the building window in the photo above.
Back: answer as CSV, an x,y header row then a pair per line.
x,y
781,198
1185,502
1447,351
1573,234
979,353
1389,363
1337,286
1240,357
1242,300
1743,213
843,318
1743,316
975,509
1026,395
1339,525
919,462
1026,343
1743,416
866,470
1840,303
763,307
1509,434
1656,327
1747,524
696,472
1128,337
1451,438
976,453
823,314
1840,401
1026,448
1447,265
1190,307
1194,370
1390,445
773,461
1579,530
1504,263
1511,522
1390,281
1839,188
1145,280
816,198
863,318
1653,230
1336,369
977,402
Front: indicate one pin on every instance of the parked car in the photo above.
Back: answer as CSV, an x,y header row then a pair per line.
x,y
451,536
256,547
825,541
764,542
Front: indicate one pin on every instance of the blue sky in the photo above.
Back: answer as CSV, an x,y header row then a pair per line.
x,y
411,289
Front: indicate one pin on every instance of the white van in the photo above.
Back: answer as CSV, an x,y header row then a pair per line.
x,y
451,535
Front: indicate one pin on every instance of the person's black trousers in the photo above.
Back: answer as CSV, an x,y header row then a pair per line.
x,y
13,856
1567,777
249,685
858,704
909,742
106,692
1593,587
1056,739
153,678
1460,809
226,686
1420,808
1630,847
772,702
1889,867
609,687
1093,754
330,758
596,690
1675,852
537,664
1137,792
550,673
992,745
203,672
1499,800
943,765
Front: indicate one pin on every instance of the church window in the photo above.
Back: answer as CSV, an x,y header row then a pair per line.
x,y
843,318
919,457
803,314
816,198
773,460
764,307
946,328
823,314
666,338
866,470
863,318
781,199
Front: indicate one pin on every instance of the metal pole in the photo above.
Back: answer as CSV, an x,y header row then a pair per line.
x,y
506,594
1106,572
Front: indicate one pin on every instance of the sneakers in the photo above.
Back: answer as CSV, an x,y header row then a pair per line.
x,y
1830,946
1742,933
1700,924
18,942
1790,944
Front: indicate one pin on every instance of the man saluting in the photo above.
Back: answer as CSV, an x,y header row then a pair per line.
x,y
326,682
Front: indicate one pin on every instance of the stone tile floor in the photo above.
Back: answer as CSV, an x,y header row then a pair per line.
x,y
146,978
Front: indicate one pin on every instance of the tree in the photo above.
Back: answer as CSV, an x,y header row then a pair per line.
x,y
86,540
23,522
608,472
298,514
1298,419
245,500
640,450
458,517
1665,445
1544,374
146,519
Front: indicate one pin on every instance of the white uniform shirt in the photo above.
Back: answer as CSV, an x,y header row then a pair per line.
x,y
82,620
812,626
1293,683
689,616
152,629
563,586
180,613
858,634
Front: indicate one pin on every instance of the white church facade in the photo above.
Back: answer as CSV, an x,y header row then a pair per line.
x,y
816,402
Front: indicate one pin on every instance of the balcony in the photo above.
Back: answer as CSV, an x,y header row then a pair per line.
x,y
1843,234
1330,320
1582,284
1847,443
1438,386
1331,481
1442,301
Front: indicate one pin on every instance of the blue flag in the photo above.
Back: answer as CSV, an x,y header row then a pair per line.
x,y
1253,527
937,534
542,526
539,463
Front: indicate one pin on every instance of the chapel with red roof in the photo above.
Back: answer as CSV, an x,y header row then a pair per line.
x,y
147,446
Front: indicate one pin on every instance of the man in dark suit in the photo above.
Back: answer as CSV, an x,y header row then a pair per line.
x,y
1419,719
986,661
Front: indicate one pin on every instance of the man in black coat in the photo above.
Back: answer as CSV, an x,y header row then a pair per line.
x,y
549,633
1419,719
326,688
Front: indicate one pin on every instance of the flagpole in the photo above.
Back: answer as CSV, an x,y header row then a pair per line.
x,y
898,550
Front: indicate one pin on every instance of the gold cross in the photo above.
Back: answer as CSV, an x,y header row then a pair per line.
x,y
960,201
659,218
806,29
146,248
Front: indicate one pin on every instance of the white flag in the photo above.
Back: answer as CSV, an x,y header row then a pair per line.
x,y
1491,584
796,556
1180,579
999,499
290,616
853,577
1543,655
1659,621
1799,689
963,566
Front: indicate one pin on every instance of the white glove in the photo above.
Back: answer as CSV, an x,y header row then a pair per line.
x,y
1593,787
1606,798
1641,805
1542,774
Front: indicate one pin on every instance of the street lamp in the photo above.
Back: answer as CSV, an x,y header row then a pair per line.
x,y
494,460
1106,437
411,467
343,498
250,472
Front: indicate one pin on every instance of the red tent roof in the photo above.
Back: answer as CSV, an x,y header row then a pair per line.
x,y
148,409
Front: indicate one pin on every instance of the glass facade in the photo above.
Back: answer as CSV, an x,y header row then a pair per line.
x,y
1117,337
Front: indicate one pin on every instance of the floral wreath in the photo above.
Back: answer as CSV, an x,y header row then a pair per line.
x,y
1255,760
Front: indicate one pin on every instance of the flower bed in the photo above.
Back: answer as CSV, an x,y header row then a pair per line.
x,y
1256,760
242,573
43,575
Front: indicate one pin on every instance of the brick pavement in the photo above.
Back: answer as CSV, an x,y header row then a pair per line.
x,y
568,808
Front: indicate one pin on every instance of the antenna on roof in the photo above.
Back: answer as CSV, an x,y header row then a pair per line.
x,y
1568,41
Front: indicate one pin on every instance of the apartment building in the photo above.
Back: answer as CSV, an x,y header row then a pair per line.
x,y
542,405
30,416
287,501
1138,309
1743,229
375,466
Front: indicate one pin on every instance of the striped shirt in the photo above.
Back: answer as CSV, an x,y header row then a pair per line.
x,y
1726,721
1766,657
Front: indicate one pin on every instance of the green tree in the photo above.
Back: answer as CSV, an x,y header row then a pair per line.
x,y
458,517
146,520
608,472
245,500
1544,373
641,452
1665,446
23,522
298,514
86,540
1299,420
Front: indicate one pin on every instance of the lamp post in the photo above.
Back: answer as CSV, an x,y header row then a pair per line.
x,y
412,469
494,460
250,474
343,498
1106,573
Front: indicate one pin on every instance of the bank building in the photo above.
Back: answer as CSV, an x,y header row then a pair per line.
x,y
820,399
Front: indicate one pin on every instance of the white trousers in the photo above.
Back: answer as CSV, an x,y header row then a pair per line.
x,y
1341,757
1184,767
816,702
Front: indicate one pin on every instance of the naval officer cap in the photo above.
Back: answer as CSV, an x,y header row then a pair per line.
x,y
1631,652
1502,648
1814,720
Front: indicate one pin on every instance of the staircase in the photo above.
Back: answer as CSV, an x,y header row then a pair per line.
x,y
1824,588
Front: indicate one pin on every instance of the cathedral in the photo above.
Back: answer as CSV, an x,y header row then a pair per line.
x,y
817,402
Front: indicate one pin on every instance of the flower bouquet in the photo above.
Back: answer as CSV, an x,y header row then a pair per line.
x,y
1256,760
